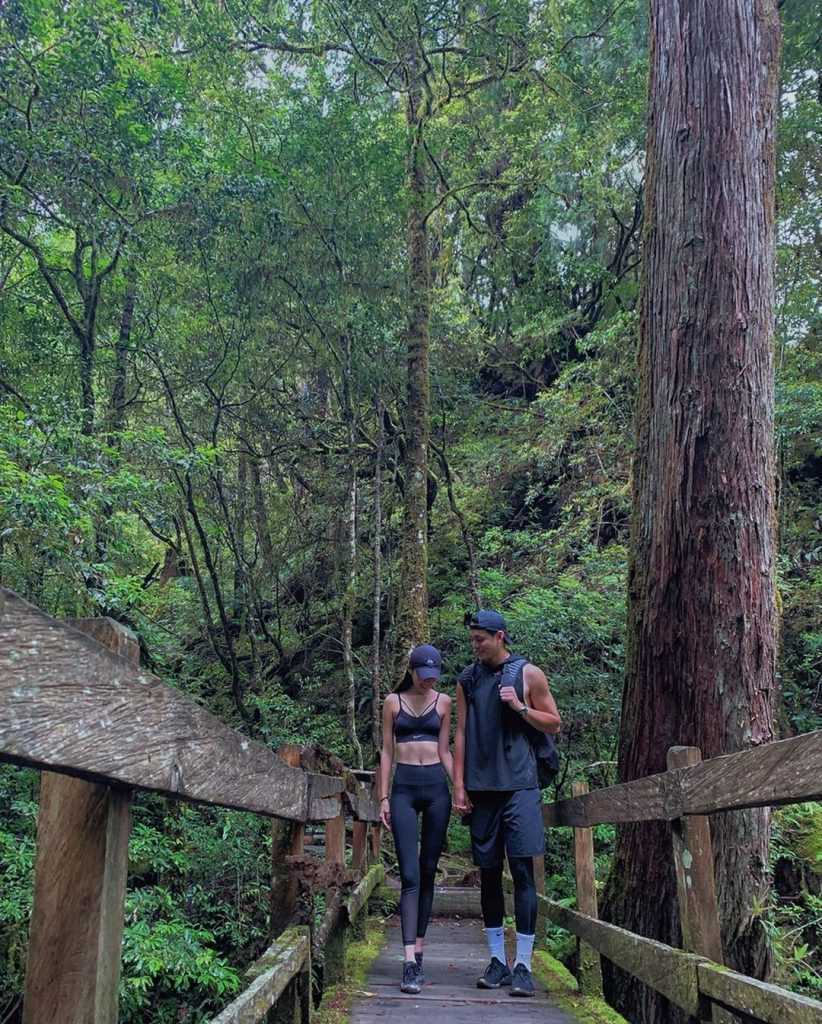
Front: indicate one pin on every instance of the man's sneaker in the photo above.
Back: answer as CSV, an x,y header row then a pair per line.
x,y
522,983
496,974
420,975
410,978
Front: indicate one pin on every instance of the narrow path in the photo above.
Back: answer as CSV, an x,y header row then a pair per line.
x,y
455,956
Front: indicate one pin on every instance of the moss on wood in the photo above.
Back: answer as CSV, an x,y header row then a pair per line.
x,y
565,994
336,1003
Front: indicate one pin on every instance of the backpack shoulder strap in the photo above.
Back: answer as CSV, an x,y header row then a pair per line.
x,y
467,678
512,674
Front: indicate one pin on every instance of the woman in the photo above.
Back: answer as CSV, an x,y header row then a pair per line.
x,y
415,730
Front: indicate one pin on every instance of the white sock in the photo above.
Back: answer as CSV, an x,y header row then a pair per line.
x,y
496,943
525,946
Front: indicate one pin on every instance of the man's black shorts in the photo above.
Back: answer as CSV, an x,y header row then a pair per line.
x,y
506,822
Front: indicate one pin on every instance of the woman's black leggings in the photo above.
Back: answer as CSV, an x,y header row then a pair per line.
x,y
418,789
525,895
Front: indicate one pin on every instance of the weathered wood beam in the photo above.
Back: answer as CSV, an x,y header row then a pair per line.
x,y
362,893
360,797
694,864
76,931
590,968
784,772
669,971
324,797
359,844
759,1000
335,838
69,705
289,956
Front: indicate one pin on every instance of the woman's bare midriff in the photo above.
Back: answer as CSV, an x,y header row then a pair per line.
x,y
419,752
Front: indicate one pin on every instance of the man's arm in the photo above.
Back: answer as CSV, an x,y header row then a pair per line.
x,y
541,707
461,802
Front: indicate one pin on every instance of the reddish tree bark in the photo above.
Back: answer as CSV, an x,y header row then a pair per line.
x,y
702,621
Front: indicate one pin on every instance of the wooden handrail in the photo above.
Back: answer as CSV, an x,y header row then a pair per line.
x,y
67,704
683,978
270,976
784,772
74,701
693,979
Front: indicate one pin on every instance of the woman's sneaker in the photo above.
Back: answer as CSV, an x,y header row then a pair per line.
x,y
496,974
410,978
420,975
522,984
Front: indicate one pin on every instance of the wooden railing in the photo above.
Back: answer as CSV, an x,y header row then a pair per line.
x,y
75,704
788,771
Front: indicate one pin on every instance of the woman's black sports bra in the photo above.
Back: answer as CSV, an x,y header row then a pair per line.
x,y
410,728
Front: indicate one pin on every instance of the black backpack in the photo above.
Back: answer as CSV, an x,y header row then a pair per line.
x,y
543,745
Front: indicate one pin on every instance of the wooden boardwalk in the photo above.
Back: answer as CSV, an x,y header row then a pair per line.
x,y
455,956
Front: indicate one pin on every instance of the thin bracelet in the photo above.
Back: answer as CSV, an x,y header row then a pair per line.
x,y
388,798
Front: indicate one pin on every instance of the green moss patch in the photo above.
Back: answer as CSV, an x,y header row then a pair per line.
x,y
564,992
336,1003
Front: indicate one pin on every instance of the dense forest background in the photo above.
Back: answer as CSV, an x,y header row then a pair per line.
x,y
207,286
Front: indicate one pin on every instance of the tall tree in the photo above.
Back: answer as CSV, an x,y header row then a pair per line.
x,y
702,629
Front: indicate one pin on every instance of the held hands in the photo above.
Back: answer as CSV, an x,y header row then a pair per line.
x,y
461,802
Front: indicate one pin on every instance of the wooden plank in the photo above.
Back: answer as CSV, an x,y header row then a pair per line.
x,y
76,932
359,847
287,840
669,971
645,799
359,794
767,1003
323,796
75,937
590,968
694,863
456,954
335,838
375,843
783,772
362,893
270,976
69,705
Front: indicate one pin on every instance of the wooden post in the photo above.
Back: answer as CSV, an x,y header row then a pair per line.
x,y
590,967
76,933
694,861
287,839
359,844
375,833
335,839
375,844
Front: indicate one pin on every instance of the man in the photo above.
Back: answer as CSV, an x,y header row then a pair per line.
x,y
495,783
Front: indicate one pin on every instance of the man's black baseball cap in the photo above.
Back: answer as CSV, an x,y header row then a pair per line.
x,y
487,619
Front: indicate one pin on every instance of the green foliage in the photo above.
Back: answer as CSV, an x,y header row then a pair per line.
x,y
253,203
794,911
166,962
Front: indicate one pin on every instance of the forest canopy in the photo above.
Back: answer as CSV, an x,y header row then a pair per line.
x,y
224,228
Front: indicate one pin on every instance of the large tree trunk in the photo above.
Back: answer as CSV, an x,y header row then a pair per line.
x,y
702,629
350,561
117,416
412,618
376,686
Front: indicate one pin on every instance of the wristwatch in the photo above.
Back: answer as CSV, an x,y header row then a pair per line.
x,y
523,711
